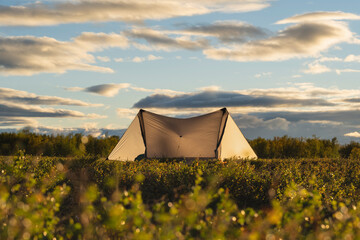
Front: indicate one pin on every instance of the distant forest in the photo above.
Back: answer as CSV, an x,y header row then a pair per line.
x,y
78,145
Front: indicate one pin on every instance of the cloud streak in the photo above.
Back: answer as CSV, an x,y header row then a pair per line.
x,y
227,31
353,134
296,41
320,16
107,90
8,109
352,58
221,98
12,95
344,116
80,11
112,89
249,121
275,111
331,97
28,55
148,58
160,40
16,121
20,108
316,68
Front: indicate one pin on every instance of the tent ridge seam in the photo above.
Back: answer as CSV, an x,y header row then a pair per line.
x,y
142,126
222,131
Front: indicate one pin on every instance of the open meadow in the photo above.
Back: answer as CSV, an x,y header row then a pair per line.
x,y
179,119
91,198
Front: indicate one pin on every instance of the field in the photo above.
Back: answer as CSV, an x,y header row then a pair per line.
x,y
90,198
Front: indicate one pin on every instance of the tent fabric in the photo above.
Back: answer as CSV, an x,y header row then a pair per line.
x,y
131,144
181,138
233,143
213,135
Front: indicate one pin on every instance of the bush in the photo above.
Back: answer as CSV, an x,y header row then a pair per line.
x,y
86,198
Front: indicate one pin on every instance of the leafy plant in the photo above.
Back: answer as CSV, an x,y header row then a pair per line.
x,y
86,198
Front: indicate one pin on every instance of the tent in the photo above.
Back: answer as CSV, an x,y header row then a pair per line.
x,y
213,135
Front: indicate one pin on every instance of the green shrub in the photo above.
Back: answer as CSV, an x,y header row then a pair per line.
x,y
86,198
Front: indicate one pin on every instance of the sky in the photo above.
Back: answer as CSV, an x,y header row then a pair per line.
x,y
281,67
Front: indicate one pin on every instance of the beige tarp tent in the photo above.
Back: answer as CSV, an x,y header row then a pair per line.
x,y
213,135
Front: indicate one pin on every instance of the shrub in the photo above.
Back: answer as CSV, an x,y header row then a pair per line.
x,y
85,198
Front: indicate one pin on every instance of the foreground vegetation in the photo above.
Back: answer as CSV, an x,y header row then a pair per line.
x,y
88,198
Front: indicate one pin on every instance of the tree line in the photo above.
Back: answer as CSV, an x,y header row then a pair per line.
x,y
79,145
71,145
290,147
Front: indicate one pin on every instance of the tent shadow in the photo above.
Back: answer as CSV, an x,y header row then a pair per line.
x,y
139,157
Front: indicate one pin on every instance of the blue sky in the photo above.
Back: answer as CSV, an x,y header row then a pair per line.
x,y
281,67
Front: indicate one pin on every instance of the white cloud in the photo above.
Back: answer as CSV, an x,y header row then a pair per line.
x,y
156,90
248,121
231,6
74,89
130,113
95,116
138,59
194,58
11,109
320,16
347,70
91,128
329,59
316,68
24,97
211,99
160,40
353,134
326,112
152,57
90,125
225,31
103,58
264,74
352,58
95,132
323,122
111,89
126,113
17,121
107,90
212,88
28,55
305,91
148,58
298,97
306,39
19,108
79,11
100,41
118,59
